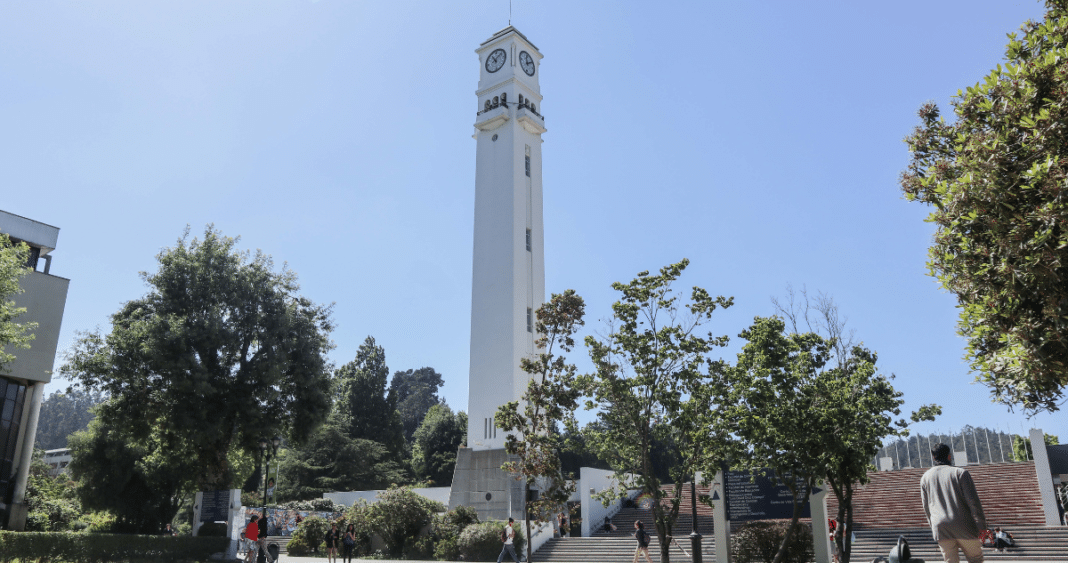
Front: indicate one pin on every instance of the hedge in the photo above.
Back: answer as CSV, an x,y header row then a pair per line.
x,y
69,547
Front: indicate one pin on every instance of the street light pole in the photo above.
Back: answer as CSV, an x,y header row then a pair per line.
x,y
267,455
695,537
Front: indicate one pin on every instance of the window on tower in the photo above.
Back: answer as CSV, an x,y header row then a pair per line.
x,y
530,320
528,165
528,240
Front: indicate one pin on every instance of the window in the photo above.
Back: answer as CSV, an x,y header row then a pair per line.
x,y
528,240
528,165
530,320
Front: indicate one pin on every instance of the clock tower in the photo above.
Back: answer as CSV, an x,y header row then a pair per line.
x,y
508,276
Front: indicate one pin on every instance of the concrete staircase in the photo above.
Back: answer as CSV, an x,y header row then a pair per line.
x,y
1032,544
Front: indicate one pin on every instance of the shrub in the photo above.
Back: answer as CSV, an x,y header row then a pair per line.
x,y
759,541
308,537
445,530
65,546
482,541
398,517
359,515
314,505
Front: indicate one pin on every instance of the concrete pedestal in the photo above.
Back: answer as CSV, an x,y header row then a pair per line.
x,y
479,482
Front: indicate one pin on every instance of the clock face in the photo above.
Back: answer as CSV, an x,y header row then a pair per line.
x,y
527,62
496,60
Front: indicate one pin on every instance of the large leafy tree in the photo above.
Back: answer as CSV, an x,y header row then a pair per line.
x,y
63,414
551,398
13,335
996,179
435,443
646,369
221,351
415,391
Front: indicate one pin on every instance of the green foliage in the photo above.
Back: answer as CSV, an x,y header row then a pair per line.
x,y
647,368
63,414
482,541
220,352
552,396
758,542
399,515
51,502
308,537
1021,447
367,410
134,478
995,179
13,335
359,515
435,443
415,392
445,531
19,547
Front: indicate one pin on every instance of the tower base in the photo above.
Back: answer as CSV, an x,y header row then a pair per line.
x,y
479,482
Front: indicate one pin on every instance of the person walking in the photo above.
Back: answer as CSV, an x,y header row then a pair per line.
x,y
333,537
261,541
508,535
952,507
252,531
643,541
348,543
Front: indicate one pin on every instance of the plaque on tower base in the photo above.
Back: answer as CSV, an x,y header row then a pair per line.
x,y
479,482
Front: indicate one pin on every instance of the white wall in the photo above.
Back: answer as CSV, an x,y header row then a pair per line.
x,y
439,494
592,481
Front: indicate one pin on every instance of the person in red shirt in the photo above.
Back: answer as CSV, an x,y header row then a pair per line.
x,y
252,531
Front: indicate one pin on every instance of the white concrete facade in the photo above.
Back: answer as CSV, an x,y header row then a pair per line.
x,y
508,274
44,296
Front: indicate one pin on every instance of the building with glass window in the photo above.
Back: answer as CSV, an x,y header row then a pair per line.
x,y
22,381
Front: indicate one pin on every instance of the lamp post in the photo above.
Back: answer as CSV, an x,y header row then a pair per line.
x,y
695,537
267,454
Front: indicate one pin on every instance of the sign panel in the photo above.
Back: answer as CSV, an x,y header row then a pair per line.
x,y
757,496
214,506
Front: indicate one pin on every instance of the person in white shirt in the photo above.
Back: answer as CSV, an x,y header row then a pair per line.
x,y
509,546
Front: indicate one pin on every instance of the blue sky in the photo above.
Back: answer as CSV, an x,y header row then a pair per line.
x,y
762,141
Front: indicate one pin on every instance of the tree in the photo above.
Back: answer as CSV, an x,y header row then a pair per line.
x,y
13,335
63,414
361,445
435,443
807,409
996,181
764,407
415,391
365,407
221,351
551,397
645,369
1021,447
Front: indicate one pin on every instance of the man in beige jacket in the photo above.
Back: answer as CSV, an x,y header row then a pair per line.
x,y
953,509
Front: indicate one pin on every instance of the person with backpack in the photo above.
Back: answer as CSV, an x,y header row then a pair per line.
x,y
333,537
643,541
508,537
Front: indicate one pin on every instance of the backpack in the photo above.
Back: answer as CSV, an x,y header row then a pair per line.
x,y
504,534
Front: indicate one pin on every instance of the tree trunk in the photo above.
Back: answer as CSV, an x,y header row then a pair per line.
x,y
526,515
781,554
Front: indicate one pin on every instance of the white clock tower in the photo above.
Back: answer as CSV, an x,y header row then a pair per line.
x,y
508,281
508,278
